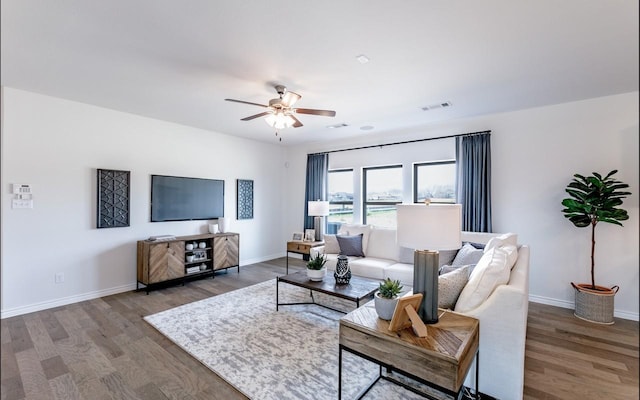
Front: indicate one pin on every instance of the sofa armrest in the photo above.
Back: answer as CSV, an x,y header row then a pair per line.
x,y
503,330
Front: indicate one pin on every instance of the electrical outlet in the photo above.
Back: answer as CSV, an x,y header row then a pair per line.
x,y
59,277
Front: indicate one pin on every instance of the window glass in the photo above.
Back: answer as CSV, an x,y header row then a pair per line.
x,y
382,191
435,181
340,183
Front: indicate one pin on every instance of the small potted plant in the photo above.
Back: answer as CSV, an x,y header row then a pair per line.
x,y
315,267
595,199
386,298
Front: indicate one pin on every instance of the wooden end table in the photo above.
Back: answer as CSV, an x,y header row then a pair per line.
x,y
441,360
300,247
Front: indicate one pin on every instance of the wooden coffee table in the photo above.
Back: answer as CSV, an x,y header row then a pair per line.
x,y
441,360
356,290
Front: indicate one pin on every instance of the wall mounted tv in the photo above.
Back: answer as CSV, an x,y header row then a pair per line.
x,y
175,198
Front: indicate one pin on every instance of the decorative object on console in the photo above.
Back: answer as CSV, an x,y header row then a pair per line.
x,y
213,228
298,236
113,198
594,199
434,226
309,235
318,209
223,224
244,196
342,274
386,298
315,267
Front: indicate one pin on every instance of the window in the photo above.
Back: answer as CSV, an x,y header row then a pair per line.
x,y
382,191
340,183
435,181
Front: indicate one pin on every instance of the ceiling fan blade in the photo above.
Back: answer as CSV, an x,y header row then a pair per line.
x,y
246,102
324,113
296,124
262,114
289,99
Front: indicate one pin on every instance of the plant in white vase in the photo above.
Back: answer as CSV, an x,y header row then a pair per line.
x,y
315,267
386,298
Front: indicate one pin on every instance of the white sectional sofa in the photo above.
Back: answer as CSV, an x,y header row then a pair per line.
x,y
502,316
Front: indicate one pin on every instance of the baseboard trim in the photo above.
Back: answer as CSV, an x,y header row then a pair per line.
x,y
571,305
12,312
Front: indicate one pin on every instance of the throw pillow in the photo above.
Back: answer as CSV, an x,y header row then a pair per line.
x,y
405,255
331,245
354,229
446,257
468,254
350,245
493,270
506,238
450,285
445,269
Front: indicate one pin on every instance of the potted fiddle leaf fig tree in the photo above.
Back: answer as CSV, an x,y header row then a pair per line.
x,y
595,198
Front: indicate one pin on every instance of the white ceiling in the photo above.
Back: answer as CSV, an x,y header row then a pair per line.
x,y
178,60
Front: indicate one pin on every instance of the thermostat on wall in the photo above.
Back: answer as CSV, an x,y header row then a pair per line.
x,y
21,188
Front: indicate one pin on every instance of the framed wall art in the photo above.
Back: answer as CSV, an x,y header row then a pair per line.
x,y
244,196
113,198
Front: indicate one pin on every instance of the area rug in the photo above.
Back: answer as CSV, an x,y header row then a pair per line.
x,y
267,354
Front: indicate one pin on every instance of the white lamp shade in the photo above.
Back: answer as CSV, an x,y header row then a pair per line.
x,y
318,208
429,227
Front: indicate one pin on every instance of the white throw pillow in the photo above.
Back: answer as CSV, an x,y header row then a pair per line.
x,y
506,238
450,285
331,244
493,269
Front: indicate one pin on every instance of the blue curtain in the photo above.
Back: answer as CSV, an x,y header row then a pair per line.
x,y
473,161
316,189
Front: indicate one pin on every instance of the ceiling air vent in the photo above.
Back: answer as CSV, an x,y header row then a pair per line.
x,y
438,105
336,126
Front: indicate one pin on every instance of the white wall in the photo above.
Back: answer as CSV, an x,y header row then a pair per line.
x,y
56,146
535,153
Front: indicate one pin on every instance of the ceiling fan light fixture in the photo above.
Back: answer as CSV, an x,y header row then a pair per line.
x,y
280,120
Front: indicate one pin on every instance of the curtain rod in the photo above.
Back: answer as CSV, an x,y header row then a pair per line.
x,y
404,142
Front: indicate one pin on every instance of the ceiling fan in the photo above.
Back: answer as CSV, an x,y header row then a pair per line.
x,y
280,113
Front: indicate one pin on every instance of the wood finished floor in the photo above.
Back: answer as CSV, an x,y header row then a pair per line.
x,y
102,349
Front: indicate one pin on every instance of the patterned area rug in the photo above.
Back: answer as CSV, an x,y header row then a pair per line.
x,y
269,354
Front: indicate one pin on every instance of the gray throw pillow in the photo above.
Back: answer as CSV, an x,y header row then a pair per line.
x,y
468,254
450,286
350,245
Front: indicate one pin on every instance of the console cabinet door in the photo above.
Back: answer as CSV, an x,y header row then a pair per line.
x,y
166,261
225,251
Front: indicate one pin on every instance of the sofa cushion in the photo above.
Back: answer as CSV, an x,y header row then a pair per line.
x,y
405,255
493,269
450,286
351,229
468,254
331,245
382,244
369,267
350,245
400,271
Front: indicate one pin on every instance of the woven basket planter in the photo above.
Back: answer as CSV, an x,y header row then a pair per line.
x,y
594,305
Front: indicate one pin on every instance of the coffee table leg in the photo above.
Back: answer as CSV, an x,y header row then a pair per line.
x,y
277,286
339,372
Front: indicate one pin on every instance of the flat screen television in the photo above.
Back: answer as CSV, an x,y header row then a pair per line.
x,y
175,198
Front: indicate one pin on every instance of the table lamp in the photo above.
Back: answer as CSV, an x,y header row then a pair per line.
x,y
434,227
318,209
